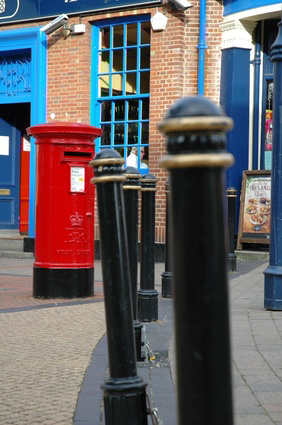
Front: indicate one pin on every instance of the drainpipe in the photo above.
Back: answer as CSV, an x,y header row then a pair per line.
x,y
201,48
256,62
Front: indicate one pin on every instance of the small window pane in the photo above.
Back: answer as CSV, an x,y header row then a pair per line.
x,y
131,35
145,109
131,83
106,135
133,133
119,134
106,111
145,32
104,85
119,110
145,133
117,60
131,60
104,62
117,85
144,157
145,58
144,82
118,35
105,37
133,109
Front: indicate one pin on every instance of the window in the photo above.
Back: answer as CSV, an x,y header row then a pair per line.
x,y
121,85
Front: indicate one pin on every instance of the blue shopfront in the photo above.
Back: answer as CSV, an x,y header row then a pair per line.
x,y
248,31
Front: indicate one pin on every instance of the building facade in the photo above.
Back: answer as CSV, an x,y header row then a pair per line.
x,y
248,31
106,66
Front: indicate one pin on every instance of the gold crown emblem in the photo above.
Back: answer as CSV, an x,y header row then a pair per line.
x,y
76,220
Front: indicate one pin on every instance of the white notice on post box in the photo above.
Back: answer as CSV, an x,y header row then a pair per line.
x,y
4,145
77,179
26,144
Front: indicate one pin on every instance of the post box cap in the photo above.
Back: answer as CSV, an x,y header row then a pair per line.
x,y
62,128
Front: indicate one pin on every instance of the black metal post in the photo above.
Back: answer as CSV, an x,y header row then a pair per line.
x,y
196,159
131,189
231,205
147,295
167,275
124,391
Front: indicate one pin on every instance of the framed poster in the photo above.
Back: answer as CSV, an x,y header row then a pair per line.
x,y
255,204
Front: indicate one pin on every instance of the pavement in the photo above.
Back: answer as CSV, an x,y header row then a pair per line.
x,y
53,353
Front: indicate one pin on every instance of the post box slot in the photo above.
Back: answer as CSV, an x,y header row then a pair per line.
x,y
78,154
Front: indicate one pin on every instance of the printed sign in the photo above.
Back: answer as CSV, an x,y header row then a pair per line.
x,y
77,179
19,10
4,145
255,207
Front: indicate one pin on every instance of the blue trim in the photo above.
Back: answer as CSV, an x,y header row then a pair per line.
x,y
234,6
201,49
35,40
257,63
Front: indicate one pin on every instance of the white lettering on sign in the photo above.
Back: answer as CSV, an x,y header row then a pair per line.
x,y
77,179
4,145
69,1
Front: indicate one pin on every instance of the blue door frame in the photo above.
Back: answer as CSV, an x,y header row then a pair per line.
x,y
34,40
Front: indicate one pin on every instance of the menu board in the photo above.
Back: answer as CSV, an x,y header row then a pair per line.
x,y
255,205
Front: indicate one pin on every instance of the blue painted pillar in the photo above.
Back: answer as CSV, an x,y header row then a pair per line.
x,y
234,98
273,273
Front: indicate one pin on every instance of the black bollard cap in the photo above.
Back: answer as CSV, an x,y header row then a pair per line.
x,y
107,164
195,125
133,179
148,182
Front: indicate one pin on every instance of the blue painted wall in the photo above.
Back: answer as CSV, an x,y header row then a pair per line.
x,y
34,40
234,98
234,6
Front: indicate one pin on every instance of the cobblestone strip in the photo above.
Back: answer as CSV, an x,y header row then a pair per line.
x,y
43,357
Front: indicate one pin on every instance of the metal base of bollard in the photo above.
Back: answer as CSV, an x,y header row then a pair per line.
x,y
232,260
138,340
125,401
63,283
167,284
148,305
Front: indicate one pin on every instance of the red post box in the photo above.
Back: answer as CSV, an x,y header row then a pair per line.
x,y
64,237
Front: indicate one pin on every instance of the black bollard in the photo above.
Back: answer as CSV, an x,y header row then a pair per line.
x,y
147,295
231,204
124,391
131,189
167,275
196,159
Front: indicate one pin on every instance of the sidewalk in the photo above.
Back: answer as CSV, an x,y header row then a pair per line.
x,y
53,353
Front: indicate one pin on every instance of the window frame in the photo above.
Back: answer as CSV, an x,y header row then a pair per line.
x,y
97,99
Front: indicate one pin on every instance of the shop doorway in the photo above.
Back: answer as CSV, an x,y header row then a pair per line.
x,y
14,167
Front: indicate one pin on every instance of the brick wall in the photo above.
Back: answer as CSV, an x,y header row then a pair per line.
x,y
174,63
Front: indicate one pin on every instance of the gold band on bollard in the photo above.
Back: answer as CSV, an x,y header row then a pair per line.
x,y
106,161
131,187
194,160
180,125
148,189
107,179
132,176
231,196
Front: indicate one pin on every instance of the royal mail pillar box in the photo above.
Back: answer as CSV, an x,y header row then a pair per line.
x,y
64,237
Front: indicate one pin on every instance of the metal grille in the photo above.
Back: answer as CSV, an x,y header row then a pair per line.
x,y
2,6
